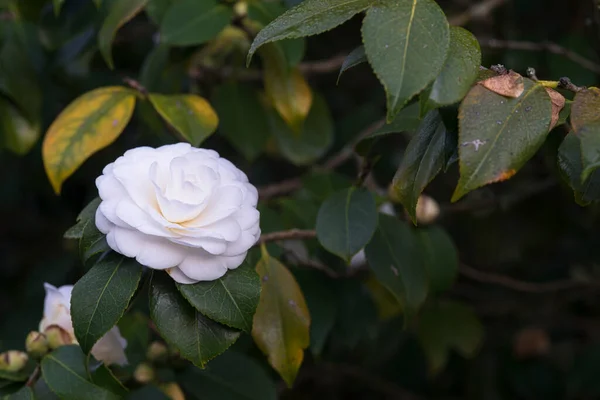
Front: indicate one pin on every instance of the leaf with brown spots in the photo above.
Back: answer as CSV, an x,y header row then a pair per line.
x,y
90,123
558,102
497,135
585,120
508,85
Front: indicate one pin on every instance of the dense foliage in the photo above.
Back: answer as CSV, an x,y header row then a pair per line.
x,y
343,113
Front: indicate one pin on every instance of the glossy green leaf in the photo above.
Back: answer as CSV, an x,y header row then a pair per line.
x,y
25,393
571,167
497,134
459,71
406,42
102,376
121,11
198,338
310,17
445,326
356,56
101,297
65,373
281,323
423,160
346,222
193,22
87,215
440,258
585,120
156,9
394,255
42,391
232,376
92,243
19,135
314,139
243,120
191,115
230,300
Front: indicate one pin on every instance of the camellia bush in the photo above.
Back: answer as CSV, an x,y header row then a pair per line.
x,y
252,219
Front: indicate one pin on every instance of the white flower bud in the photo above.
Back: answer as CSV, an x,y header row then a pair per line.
x,y
144,373
427,211
13,360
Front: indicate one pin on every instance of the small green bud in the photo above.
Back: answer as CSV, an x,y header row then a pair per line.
x,y
57,336
13,360
36,344
144,373
157,352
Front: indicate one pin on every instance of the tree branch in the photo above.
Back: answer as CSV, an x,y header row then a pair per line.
x,y
477,11
292,234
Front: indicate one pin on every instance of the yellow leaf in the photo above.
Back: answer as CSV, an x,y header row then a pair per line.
x,y
287,89
281,323
192,116
90,123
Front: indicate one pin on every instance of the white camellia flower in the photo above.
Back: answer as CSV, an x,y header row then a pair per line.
x,y
110,349
178,208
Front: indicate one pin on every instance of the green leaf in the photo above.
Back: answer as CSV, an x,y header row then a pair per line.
x,y
440,258
233,376
103,377
230,300
18,376
497,134
156,9
154,66
406,42
346,222
148,392
243,120
446,326
459,71
281,323
571,167
18,133
310,17
356,56
191,115
65,373
90,123
197,338
312,141
585,120
121,11
42,391
101,297
134,328
394,255
193,22
92,243
57,4
423,160
25,393
87,215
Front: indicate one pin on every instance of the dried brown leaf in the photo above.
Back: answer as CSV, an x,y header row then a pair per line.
x,y
558,102
509,85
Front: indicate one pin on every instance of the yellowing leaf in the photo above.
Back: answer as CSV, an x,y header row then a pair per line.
x,y
287,89
18,134
191,115
90,123
281,323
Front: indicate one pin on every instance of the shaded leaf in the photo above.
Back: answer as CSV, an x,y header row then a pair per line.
x,y
148,392
197,338
585,120
90,123
20,375
87,215
423,159
230,300
101,296
497,135
310,17
440,258
92,243
191,115
42,391
346,222
154,66
459,71
25,393
570,167
121,11
394,255
65,373
193,22
356,56
19,135
406,42
446,326
156,9
281,323
57,4
508,85
103,377
243,119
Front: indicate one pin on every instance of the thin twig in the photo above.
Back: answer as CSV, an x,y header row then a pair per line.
x,y
292,234
541,46
520,286
33,377
477,11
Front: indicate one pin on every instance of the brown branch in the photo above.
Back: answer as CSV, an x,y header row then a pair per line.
x,y
542,46
477,11
33,377
292,234
279,188
520,286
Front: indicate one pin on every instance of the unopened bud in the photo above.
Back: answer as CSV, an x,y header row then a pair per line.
x,y
157,352
144,373
240,9
13,360
36,344
173,391
57,336
427,211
